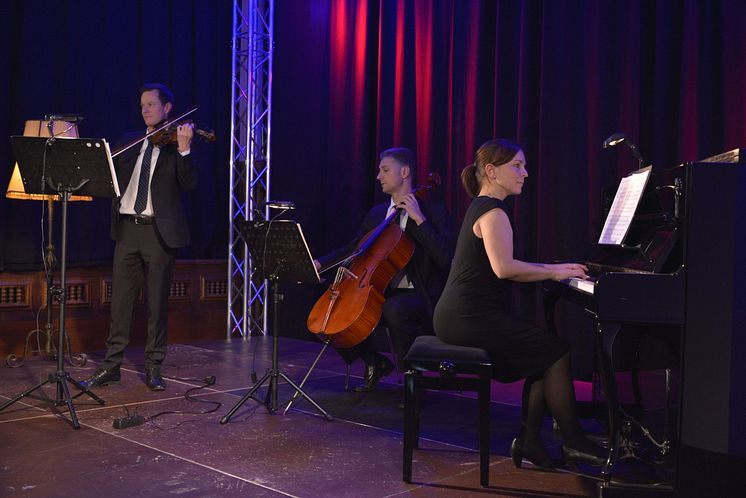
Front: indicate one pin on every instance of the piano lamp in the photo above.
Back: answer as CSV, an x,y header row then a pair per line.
x,y
616,139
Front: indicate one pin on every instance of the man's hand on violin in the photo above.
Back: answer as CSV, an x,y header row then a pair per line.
x,y
184,135
412,207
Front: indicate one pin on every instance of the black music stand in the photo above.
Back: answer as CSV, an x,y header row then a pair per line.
x,y
64,166
280,248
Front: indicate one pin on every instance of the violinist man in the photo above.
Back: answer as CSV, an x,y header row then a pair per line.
x,y
148,224
412,295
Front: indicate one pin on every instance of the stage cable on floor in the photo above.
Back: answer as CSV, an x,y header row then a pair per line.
x,y
134,420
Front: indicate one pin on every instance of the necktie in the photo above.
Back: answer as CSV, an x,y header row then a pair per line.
x,y
141,201
398,219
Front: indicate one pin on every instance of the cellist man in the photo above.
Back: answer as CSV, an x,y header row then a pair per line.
x,y
412,295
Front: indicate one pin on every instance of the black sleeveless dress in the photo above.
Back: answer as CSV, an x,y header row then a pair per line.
x,y
473,309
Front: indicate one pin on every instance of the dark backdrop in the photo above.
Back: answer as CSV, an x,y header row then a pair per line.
x,y
354,77
90,57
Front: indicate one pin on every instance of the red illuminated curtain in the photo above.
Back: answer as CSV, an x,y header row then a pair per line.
x,y
443,76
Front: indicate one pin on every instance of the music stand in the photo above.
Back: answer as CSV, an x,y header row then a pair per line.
x,y
16,190
280,248
64,166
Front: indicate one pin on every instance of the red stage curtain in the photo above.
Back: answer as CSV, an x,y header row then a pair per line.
x,y
559,77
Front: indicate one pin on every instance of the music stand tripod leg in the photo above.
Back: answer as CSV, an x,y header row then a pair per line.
x,y
276,299
62,390
308,398
246,397
270,400
25,393
85,390
274,373
60,377
308,374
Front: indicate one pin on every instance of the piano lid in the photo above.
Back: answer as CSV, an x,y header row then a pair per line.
x,y
730,156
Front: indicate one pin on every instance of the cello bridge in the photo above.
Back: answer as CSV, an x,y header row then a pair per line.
x,y
343,273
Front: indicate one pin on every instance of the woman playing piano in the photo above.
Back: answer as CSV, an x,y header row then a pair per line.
x,y
473,309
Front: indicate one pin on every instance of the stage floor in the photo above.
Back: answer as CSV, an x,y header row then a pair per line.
x,y
256,453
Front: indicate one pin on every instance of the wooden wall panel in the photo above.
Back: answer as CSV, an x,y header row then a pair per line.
x,y
197,306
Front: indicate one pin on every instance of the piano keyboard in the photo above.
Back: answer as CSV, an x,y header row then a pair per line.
x,y
595,270
581,284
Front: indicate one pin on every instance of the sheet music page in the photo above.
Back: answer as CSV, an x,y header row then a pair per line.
x,y
624,206
111,169
308,253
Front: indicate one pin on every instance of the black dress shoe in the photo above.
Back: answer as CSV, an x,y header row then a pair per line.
x,y
153,379
574,455
377,367
102,377
518,452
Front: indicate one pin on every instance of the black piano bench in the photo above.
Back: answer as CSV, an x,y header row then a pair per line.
x,y
459,368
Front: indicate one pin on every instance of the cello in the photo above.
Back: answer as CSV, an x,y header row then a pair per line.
x,y
350,309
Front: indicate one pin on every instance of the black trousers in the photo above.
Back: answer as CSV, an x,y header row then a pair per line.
x,y
139,257
406,315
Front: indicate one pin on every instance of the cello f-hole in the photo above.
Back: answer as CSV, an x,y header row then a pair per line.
x,y
361,282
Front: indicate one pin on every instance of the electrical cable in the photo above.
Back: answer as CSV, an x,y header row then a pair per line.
x,y
135,420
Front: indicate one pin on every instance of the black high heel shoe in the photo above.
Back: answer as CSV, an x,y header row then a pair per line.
x,y
518,453
574,455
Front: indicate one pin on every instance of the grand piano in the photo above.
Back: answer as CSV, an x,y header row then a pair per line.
x,y
680,271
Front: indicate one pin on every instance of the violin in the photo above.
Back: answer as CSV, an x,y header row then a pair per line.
x,y
168,135
350,309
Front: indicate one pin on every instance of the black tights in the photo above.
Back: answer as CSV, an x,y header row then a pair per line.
x,y
554,390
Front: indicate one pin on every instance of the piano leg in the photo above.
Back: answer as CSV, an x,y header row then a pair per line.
x,y
606,333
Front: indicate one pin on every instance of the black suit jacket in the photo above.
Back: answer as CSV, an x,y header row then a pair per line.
x,y
173,174
433,249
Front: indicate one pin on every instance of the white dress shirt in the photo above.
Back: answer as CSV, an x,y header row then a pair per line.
x,y
127,205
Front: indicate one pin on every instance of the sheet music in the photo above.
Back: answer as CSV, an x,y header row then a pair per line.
x,y
111,169
279,245
624,206
308,254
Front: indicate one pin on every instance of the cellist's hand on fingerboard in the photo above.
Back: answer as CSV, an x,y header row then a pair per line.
x,y
412,207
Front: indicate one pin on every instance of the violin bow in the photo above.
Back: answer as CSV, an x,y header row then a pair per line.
x,y
148,135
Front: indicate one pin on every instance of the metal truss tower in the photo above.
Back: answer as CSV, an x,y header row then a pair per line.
x,y
252,48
